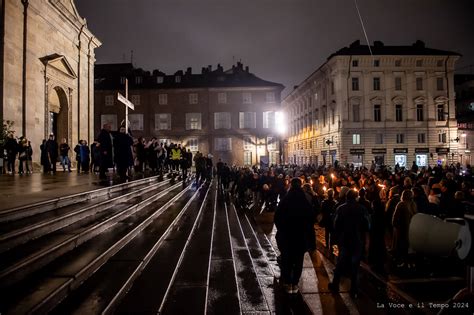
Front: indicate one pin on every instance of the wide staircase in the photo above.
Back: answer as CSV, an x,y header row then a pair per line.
x,y
147,246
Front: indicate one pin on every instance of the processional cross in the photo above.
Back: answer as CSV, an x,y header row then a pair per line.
x,y
124,100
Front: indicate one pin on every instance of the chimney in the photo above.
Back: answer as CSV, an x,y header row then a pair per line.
x,y
247,69
419,44
203,70
355,43
378,43
209,67
219,67
189,71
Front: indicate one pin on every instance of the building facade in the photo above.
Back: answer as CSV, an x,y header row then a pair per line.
x,y
394,106
230,114
47,61
464,87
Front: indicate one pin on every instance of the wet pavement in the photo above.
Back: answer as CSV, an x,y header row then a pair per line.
x,y
184,249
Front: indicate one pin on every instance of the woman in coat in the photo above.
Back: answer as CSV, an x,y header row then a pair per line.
x,y
294,220
404,211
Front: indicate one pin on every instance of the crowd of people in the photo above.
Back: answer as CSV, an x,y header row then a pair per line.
x,y
365,212
112,149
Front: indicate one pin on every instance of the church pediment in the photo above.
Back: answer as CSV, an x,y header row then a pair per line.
x,y
68,8
59,63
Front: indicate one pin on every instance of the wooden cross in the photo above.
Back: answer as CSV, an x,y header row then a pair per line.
x,y
124,100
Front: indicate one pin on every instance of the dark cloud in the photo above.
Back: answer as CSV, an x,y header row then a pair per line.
x,y
280,40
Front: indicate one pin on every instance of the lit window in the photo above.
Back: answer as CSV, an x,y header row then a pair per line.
x,y
270,97
177,79
248,158
193,98
163,99
193,121
136,121
248,143
442,137
162,121
269,120
247,120
223,144
159,79
222,120
138,80
356,138
193,144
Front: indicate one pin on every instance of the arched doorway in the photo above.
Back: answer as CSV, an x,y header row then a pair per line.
x,y
59,114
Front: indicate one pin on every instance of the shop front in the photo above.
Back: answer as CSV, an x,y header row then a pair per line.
x,y
400,156
324,154
379,156
357,157
332,154
421,156
443,154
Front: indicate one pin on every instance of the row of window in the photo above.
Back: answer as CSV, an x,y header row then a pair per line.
x,y
398,84
400,138
379,139
222,120
398,63
193,98
302,123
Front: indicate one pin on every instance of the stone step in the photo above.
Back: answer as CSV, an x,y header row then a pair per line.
x,y
101,295
19,263
39,225
47,205
48,286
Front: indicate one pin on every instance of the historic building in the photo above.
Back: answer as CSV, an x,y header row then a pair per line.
x,y
47,70
230,114
464,87
387,105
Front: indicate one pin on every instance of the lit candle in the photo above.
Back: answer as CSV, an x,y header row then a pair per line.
x,y
324,188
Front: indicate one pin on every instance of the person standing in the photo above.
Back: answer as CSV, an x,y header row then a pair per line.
x,y
22,144
11,146
85,154
29,158
45,158
404,211
295,234
123,153
64,149
95,157
328,208
350,227
52,149
104,143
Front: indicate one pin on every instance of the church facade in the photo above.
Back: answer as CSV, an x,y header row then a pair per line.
x,y
47,71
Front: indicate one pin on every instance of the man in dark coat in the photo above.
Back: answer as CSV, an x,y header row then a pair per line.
x,y
11,146
295,234
123,153
104,143
52,149
350,227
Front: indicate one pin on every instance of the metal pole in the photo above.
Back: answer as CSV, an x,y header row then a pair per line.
x,y
126,107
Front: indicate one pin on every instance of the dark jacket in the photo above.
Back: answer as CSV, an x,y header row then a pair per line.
x,y
350,225
123,150
105,147
294,222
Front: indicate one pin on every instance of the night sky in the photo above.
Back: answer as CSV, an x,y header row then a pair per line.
x,y
280,40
